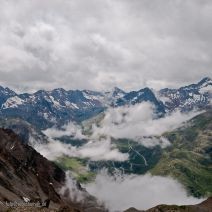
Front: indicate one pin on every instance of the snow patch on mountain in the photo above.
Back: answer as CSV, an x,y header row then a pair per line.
x,y
13,102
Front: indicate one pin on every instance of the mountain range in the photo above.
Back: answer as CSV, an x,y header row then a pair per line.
x,y
45,109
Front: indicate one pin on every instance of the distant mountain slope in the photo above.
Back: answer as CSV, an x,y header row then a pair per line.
x,y
189,97
189,158
5,93
143,95
28,133
26,176
48,108
45,109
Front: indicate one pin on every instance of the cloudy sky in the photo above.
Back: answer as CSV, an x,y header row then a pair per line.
x,y
95,44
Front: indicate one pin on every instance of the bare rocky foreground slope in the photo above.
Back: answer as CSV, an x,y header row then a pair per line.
x,y
26,177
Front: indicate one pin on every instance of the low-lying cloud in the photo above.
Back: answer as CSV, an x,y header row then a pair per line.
x,y
93,150
70,129
120,192
150,142
137,121
71,190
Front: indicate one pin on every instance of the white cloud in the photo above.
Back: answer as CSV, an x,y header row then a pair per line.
x,y
70,129
153,141
100,150
94,150
72,190
137,121
142,192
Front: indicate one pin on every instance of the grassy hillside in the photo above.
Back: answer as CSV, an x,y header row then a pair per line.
x,y
78,168
189,158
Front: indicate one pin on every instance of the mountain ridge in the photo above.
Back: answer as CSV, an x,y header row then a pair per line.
x,y
59,106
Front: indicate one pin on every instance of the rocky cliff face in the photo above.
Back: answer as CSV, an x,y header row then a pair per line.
x,y
27,177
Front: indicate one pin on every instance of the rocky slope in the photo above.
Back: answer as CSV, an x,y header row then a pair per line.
x,y
27,177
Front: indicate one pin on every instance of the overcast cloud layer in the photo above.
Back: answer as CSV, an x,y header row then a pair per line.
x,y
138,121
99,44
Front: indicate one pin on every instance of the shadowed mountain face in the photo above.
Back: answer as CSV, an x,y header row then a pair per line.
x,y
26,176
57,107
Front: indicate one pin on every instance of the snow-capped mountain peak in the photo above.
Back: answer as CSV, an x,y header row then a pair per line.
x,y
188,97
